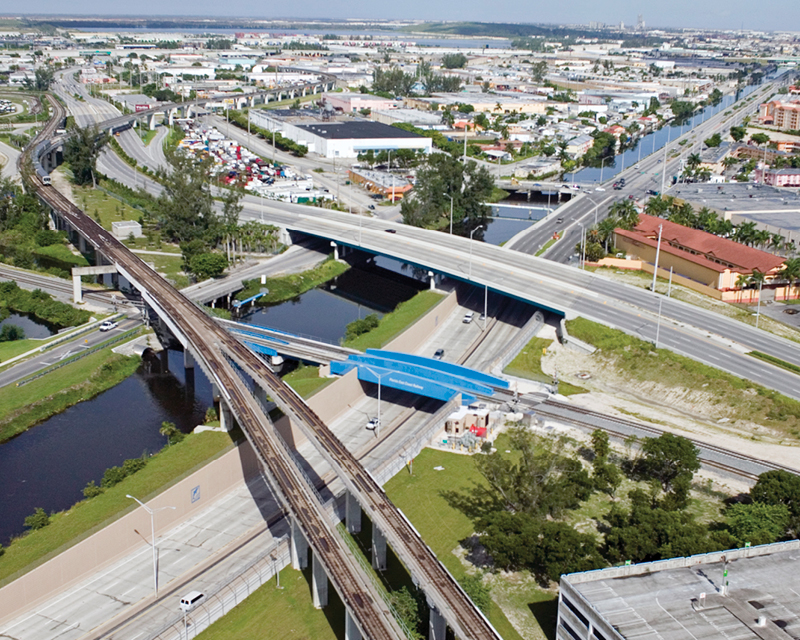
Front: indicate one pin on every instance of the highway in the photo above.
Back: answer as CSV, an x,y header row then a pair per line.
x,y
646,174
215,350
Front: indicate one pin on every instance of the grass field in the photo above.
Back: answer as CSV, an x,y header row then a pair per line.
x,y
12,349
640,361
62,388
84,518
392,324
528,364
306,381
98,204
147,138
287,287
289,610
442,527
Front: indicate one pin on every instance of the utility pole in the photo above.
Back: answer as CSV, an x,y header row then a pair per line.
x,y
658,250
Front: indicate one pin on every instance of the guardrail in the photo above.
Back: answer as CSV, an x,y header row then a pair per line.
x,y
123,336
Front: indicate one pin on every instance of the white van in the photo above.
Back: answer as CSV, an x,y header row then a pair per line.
x,y
191,600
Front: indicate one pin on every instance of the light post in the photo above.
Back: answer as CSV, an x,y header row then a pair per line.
x,y
758,308
379,376
658,325
583,246
658,250
451,213
485,305
603,164
480,226
152,513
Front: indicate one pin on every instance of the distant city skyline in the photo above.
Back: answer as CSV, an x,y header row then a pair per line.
x,y
711,14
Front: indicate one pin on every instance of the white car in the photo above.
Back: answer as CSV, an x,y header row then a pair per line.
x,y
108,325
599,189
373,424
468,316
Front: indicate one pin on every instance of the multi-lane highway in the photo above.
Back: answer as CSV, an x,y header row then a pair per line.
x,y
216,351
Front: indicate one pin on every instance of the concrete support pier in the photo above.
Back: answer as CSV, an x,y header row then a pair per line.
x,y
437,627
351,630
353,514
378,549
319,583
225,416
188,359
299,548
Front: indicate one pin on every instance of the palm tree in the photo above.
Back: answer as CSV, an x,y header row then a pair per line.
x,y
745,233
729,161
775,242
790,273
605,229
693,161
626,212
656,206
762,238
741,283
756,280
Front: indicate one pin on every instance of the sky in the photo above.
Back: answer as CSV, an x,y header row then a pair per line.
x,y
716,14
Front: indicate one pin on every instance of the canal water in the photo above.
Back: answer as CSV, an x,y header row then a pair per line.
x,y
33,327
49,465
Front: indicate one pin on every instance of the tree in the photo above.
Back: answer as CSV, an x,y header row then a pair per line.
x,y
600,445
184,209
672,461
11,332
760,138
441,176
81,150
209,264
171,432
713,141
407,608
37,520
539,71
757,522
738,133
42,79
626,214
478,591
454,61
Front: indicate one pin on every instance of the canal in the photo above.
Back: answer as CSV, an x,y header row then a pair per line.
x,y
49,465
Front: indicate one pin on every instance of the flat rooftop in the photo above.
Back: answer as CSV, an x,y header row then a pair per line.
x,y
666,603
760,203
356,130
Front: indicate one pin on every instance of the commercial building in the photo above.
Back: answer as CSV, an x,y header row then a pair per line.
x,y
350,102
696,255
784,114
381,183
779,177
333,137
741,594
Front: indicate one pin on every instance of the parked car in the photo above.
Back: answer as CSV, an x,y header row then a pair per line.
x,y
439,354
108,325
468,316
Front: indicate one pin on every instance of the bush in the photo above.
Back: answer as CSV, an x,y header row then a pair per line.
x,y
112,477
478,592
47,237
361,326
11,332
211,415
133,465
91,490
37,520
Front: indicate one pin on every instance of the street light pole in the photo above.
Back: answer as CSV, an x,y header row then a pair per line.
x,y
758,308
480,226
152,513
451,213
658,250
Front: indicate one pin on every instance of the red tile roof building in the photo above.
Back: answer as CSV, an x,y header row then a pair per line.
x,y
697,255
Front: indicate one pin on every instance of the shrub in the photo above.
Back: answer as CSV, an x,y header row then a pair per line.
x,y
91,490
37,520
113,476
133,465
211,414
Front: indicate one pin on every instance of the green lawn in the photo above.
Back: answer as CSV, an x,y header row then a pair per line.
x,y
546,246
528,364
62,388
103,207
640,361
442,526
62,253
392,324
305,380
12,349
147,138
170,267
287,287
88,516
289,610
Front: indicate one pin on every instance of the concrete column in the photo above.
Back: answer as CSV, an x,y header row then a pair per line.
x,y
299,548
77,292
225,416
188,359
432,277
378,549
319,583
353,513
437,627
351,630
214,392
164,358
335,250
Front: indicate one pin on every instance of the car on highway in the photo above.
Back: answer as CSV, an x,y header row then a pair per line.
x,y
599,189
439,354
372,206
391,230
108,325
482,317
468,316
651,192
373,424
559,220
631,197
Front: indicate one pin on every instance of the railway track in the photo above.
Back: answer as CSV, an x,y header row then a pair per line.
x,y
710,455
213,346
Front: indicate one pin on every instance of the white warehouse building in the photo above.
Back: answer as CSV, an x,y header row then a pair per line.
x,y
337,139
